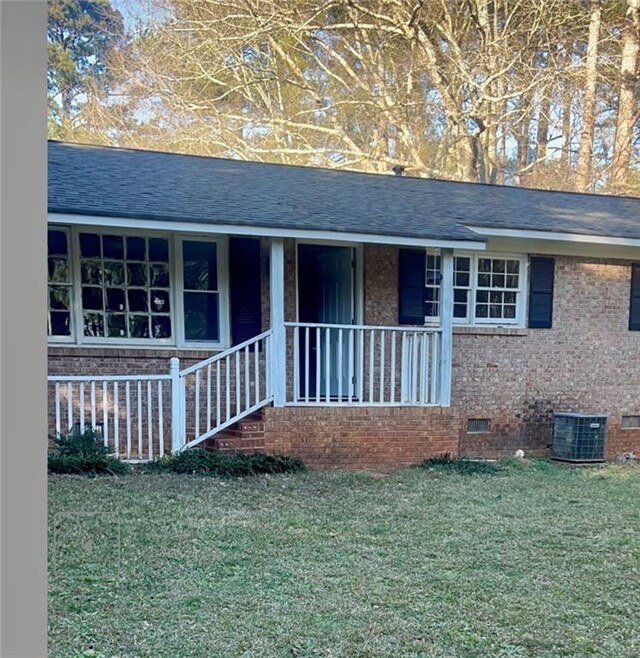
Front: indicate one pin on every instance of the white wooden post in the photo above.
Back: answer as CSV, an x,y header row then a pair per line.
x,y
178,436
446,324
277,353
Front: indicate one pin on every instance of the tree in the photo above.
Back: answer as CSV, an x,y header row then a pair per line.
x,y
585,153
478,90
80,34
628,111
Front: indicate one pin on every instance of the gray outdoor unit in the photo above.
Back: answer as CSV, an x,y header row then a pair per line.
x,y
579,437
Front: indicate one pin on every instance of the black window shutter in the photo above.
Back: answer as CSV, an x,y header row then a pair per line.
x,y
245,289
634,306
541,275
411,284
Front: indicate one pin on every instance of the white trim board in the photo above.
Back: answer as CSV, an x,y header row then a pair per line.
x,y
528,234
551,248
258,231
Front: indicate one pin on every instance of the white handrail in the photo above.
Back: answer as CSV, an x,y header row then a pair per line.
x,y
313,325
225,353
240,387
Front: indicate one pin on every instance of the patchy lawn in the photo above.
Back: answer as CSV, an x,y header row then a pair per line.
x,y
541,562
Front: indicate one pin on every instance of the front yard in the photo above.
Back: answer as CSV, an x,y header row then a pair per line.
x,y
541,562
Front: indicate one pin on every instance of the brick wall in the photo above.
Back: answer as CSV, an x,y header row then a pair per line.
x,y
589,361
360,437
514,377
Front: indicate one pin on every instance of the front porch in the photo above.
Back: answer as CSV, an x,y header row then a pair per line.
x,y
314,352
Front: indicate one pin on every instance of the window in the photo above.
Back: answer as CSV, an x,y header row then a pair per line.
x,y
59,284
487,289
125,286
201,292
112,288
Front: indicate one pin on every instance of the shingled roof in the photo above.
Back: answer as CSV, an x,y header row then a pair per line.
x,y
115,182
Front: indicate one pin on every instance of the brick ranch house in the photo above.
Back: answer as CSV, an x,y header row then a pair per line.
x,y
355,320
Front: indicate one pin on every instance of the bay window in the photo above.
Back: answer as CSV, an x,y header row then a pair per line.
x,y
129,288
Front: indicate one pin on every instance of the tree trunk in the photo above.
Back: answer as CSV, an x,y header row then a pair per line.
x,y
542,136
627,103
585,152
522,141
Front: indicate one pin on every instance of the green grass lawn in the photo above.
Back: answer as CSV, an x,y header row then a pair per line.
x,y
540,561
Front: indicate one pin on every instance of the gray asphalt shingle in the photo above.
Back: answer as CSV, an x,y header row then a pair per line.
x,y
116,182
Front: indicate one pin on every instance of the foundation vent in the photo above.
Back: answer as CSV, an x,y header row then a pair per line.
x,y
630,422
477,425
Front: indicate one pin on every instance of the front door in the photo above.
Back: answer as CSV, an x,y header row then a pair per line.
x,y
326,295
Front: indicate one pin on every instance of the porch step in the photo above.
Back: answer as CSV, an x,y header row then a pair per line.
x,y
247,436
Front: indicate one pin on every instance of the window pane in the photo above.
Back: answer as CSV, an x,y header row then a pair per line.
x,y
57,243
497,281
135,248
139,326
462,279
115,299
484,280
60,323
482,296
513,266
92,299
498,265
462,264
58,270
90,245
484,265
138,300
459,310
495,311
200,265
136,274
159,250
91,272
512,281
482,311
201,316
460,303
93,324
160,275
161,326
113,273
59,297
113,246
116,325
160,301
510,311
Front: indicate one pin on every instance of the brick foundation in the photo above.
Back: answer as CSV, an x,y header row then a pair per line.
x,y
360,437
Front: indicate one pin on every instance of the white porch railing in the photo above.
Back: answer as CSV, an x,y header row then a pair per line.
x,y
223,389
132,412
146,416
362,365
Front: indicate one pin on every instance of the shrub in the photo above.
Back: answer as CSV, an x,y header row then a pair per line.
x,y
83,452
447,464
199,461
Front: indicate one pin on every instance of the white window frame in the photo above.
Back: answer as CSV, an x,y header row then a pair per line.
x,y
222,252
521,292
71,338
176,290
